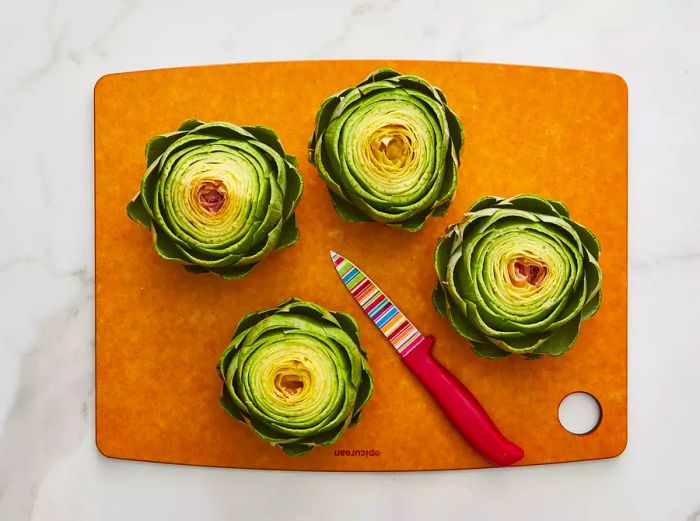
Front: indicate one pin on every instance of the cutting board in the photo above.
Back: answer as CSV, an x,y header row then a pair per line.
x,y
160,330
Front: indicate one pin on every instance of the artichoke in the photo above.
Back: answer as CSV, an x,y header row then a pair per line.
x,y
518,276
296,374
388,150
218,197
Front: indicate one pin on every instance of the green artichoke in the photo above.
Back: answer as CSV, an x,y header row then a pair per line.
x,y
388,150
518,276
296,374
218,197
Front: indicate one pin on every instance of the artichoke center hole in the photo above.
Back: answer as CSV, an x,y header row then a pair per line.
x,y
524,271
290,382
211,195
391,146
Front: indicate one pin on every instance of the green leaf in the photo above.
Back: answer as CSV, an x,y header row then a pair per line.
x,y
137,212
440,301
190,124
441,210
295,449
346,210
463,326
488,350
268,136
229,406
234,272
289,235
485,202
159,144
197,270
559,207
294,189
532,204
364,392
443,252
561,339
416,222
380,74
165,247
592,306
349,326
589,240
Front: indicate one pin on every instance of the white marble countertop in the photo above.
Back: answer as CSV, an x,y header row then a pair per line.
x,y
51,54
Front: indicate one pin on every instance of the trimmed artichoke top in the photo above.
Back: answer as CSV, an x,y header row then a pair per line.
x,y
388,150
296,374
218,197
518,276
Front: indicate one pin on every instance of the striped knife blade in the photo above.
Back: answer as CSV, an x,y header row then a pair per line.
x,y
402,334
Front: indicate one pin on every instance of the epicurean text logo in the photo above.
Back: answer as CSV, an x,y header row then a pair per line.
x,y
358,453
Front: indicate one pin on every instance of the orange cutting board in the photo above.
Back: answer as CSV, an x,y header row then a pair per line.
x,y
160,330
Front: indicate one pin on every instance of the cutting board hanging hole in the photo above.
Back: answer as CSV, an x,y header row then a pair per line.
x,y
580,413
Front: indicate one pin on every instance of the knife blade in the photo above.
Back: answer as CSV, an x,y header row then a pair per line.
x,y
456,401
400,332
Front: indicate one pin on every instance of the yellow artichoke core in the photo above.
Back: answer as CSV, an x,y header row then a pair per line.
x,y
291,380
391,149
211,195
525,271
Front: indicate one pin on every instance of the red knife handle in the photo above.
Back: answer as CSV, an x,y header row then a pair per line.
x,y
461,407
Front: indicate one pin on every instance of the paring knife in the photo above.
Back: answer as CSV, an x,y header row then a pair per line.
x,y
456,401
